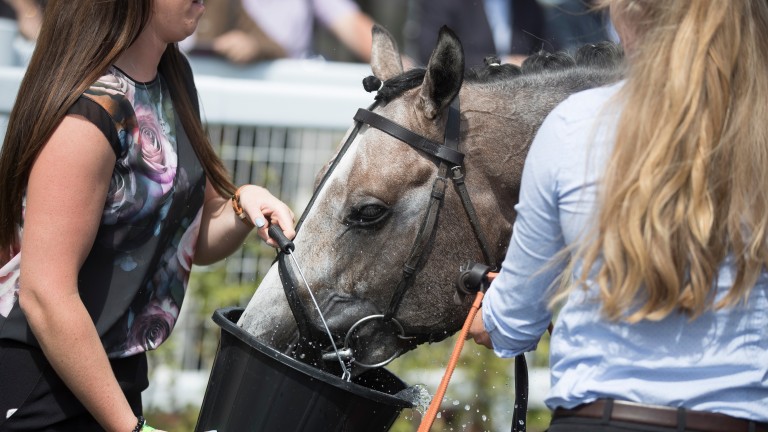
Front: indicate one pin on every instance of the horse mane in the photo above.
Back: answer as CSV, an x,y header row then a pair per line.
x,y
492,70
604,55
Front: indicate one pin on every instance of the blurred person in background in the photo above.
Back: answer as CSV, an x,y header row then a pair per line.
x,y
21,21
574,23
285,28
227,30
27,13
509,29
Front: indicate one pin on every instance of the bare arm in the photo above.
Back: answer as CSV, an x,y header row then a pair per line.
x,y
65,199
221,230
29,16
247,42
354,31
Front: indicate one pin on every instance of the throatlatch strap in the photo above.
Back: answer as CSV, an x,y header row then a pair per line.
x,y
469,208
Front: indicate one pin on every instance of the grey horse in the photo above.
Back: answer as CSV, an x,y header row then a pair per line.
x,y
358,233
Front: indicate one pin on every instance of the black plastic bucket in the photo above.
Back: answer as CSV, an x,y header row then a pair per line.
x,y
252,387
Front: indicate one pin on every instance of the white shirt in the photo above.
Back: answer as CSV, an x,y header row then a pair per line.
x,y
717,363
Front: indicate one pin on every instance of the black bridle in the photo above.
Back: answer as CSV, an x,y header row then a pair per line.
x,y
450,161
450,165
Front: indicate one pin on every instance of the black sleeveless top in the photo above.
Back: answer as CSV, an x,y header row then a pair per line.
x,y
134,279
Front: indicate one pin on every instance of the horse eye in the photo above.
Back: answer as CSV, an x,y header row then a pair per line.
x,y
367,216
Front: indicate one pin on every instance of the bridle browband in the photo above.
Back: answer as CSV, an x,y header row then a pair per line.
x,y
450,161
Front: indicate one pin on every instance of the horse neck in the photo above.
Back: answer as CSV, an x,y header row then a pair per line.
x,y
500,121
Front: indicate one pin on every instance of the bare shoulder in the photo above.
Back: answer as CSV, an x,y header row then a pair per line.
x,y
73,168
78,142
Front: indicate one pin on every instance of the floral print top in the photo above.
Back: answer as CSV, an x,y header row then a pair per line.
x,y
134,279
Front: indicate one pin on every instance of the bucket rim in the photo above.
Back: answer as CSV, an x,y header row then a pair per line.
x,y
227,318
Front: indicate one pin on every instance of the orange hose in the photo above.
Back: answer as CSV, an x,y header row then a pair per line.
x,y
434,406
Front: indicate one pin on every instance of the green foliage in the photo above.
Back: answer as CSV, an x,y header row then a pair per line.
x,y
183,420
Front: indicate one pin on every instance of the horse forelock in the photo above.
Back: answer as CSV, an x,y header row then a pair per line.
x,y
397,85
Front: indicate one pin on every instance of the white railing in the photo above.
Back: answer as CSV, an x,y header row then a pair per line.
x,y
274,123
285,93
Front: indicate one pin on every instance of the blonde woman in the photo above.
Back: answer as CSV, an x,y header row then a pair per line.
x,y
109,192
656,192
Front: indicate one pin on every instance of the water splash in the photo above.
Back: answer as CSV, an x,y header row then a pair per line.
x,y
418,395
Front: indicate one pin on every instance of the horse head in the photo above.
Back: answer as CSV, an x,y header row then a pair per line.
x,y
387,231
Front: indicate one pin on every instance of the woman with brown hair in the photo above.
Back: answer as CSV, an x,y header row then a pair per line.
x,y
656,192
109,192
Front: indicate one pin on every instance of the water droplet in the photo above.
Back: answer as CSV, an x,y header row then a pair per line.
x,y
466,407
456,403
418,395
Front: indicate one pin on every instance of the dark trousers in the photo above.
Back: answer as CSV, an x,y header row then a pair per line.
x,y
38,400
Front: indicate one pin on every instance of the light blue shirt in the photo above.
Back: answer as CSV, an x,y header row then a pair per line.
x,y
717,363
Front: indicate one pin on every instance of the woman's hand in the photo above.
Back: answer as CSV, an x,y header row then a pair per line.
x,y
237,47
477,331
221,230
263,209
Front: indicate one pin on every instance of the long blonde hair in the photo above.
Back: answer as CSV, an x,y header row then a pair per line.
x,y
687,182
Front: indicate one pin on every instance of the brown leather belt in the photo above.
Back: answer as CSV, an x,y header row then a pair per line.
x,y
661,416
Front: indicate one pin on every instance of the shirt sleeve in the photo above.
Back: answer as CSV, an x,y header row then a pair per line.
x,y
329,11
515,309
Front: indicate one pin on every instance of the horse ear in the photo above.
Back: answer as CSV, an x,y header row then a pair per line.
x,y
445,73
385,57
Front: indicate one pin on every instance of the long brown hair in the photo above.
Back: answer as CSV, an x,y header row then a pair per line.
x,y
78,41
686,184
